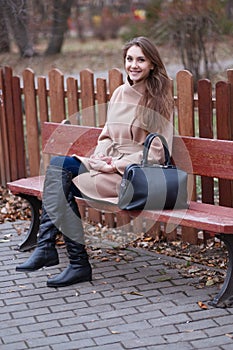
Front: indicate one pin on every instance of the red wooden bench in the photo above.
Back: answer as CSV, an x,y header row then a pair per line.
x,y
212,158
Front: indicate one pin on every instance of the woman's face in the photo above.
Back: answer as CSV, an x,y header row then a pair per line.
x,y
137,66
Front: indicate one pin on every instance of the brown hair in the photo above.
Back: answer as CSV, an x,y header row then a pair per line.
x,y
158,94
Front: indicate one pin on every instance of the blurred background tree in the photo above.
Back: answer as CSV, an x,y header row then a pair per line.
x,y
191,28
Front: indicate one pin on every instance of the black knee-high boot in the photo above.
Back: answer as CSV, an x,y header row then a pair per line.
x,y
45,253
56,188
79,269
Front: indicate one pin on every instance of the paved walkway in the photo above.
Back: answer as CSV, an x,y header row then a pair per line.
x,y
135,301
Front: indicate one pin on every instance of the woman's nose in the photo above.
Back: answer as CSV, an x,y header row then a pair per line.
x,y
134,63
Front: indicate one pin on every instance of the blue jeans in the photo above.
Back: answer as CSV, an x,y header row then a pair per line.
x,y
71,164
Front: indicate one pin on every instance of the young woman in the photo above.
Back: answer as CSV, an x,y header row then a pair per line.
x,y
143,104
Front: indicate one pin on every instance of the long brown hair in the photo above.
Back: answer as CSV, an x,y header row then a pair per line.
x,y
158,93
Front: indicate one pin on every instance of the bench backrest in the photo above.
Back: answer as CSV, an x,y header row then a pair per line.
x,y
199,156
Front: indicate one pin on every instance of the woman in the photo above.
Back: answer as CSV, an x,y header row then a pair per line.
x,y
143,104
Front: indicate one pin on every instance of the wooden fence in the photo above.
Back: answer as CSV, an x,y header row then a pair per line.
x,y
28,101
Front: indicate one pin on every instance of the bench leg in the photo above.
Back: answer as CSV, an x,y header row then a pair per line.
x,y
225,297
30,241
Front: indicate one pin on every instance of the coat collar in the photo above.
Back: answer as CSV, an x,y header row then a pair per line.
x,y
139,87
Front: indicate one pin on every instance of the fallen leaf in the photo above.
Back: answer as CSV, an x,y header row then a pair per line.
x,y
202,305
133,293
164,278
229,335
209,283
104,259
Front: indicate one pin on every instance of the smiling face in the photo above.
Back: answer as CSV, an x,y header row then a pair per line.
x,y
137,66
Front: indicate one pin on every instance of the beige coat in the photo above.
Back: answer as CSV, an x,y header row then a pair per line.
x,y
122,138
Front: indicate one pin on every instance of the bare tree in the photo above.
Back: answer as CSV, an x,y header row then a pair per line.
x,y
193,29
61,13
4,36
229,9
15,18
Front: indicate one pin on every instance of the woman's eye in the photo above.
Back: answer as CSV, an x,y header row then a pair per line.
x,y
129,59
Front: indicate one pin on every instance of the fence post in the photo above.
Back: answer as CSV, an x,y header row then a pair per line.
x,y
205,117
4,148
57,96
87,97
32,129
185,107
224,133
230,80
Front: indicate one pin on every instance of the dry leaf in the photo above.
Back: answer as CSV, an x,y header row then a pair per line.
x,y
229,335
202,305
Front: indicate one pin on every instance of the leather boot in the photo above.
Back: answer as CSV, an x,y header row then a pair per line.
x,y
56,187
45,253
79,269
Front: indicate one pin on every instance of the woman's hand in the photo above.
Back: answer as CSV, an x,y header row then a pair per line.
x,y
101,156
102,163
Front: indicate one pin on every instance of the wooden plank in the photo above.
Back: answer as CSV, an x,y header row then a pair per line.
x,y
185,103
102,99
230,81
43,109
42,100
220,219
72,100
185,107
4,148
87,97
216,156
88,117
61,139
18,117
32,186
10,122
57,95
224,132
115,79
205,114
32,131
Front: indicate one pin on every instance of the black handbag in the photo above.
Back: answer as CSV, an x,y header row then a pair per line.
x,y
153,186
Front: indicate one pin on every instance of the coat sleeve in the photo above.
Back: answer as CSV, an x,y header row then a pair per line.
x,y
104,141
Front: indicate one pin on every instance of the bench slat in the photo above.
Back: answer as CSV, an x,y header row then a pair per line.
x,y
199,215
210,157
65,139
32,186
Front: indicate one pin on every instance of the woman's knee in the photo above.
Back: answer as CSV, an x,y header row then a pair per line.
x,y
58,161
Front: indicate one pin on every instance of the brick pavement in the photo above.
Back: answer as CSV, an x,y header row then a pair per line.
x,y
136,303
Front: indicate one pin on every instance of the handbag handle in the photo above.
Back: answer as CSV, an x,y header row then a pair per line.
x,y
147,145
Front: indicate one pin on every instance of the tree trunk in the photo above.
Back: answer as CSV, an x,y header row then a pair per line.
x,y
229,9
4,37
61,13
17,14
